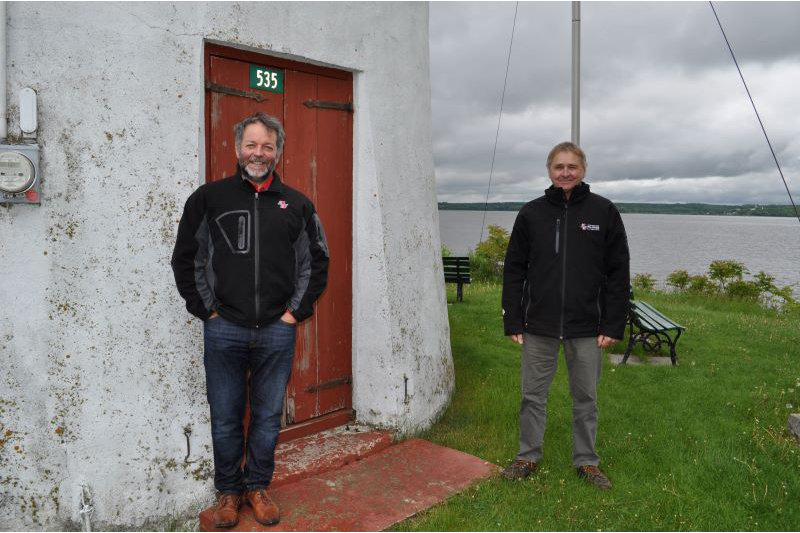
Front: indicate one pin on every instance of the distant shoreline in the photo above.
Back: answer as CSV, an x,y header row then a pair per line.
x,y
747,210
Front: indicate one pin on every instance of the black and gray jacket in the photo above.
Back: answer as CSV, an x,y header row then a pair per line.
x,y
566,272
250,255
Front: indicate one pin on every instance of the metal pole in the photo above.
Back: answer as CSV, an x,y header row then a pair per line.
x,y
576,72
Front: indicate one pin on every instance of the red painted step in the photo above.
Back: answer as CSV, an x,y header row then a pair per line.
x,y
315,454
370,494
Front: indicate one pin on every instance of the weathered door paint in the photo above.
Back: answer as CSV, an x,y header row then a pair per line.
x,y
317,160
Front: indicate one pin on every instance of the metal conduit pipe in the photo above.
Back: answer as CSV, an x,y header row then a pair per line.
x,y
3,106
576,73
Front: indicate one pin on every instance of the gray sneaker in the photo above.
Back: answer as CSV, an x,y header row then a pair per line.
x,y
595,476
519,470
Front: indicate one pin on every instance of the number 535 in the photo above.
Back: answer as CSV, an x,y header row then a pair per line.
x,y
267,79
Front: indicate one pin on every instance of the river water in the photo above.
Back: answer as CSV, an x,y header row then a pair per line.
x,y
662,244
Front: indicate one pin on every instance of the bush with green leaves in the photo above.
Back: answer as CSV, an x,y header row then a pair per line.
x,y
699,284
725,271
773,295
678,279
726,278
644,282
446,251
486,262
742,290
481,269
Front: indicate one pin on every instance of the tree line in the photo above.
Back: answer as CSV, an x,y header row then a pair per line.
x,y
749,210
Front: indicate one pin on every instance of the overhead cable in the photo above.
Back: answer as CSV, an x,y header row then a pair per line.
x,y
499,116
756,111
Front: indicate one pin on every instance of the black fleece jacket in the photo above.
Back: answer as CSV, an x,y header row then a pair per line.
x,y
566,272
250,255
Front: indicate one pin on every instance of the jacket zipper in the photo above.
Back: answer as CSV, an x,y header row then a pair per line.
x,y
255,248
558,228
563,273
528,304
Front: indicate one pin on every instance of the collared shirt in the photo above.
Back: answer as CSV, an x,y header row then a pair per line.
x,y
260,187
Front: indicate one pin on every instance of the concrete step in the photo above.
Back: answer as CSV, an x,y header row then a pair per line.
x,y
635,360
325,451
370,494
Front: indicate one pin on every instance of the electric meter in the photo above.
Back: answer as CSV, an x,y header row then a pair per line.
x,y
16,172
19,174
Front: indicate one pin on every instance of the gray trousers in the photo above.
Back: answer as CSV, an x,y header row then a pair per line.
x,y
539,362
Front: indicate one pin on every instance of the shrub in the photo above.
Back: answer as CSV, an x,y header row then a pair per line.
x,y
700,284
486,262
765,282
772,295
644,282
481,269
446,251
743,290
785,294
678,279
726,279
725,271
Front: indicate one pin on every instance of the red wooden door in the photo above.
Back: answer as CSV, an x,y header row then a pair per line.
x,y
317,160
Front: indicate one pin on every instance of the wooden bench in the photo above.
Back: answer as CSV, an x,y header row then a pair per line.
x,y
653,330
456,270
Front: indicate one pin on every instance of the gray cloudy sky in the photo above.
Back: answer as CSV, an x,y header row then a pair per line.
x,y
664,114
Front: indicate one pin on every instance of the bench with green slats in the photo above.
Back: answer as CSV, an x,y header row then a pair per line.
x,y
653,329
456,270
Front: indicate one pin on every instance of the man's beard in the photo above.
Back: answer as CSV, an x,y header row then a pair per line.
x,y
258,177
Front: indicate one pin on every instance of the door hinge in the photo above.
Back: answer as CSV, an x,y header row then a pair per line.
x,y
344,106
215,87
329,384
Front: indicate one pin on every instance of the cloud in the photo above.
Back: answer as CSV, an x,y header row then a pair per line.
x,y
664,115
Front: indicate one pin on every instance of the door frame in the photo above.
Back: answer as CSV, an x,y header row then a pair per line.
x,y
212,49
345,415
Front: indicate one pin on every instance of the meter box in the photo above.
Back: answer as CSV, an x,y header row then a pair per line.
x,y
20,181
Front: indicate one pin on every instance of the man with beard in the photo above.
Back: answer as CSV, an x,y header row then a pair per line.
x,y
250,260
565,282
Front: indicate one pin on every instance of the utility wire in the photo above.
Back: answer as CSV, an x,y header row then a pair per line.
x,y
756,110
497,135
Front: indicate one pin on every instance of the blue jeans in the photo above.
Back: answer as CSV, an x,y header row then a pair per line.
x,y
231,350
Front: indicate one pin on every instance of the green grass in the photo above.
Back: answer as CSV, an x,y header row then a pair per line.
x,y
700,446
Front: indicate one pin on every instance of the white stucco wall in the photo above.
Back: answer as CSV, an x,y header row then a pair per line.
x,y
103,371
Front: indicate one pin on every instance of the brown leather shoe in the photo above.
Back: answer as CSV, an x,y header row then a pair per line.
x,y
595,476
519,469
226,514
265,510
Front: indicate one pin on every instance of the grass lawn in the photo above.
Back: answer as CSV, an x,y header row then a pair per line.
x,y
700,446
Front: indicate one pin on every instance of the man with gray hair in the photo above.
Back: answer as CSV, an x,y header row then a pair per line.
x,y
250,260
566,281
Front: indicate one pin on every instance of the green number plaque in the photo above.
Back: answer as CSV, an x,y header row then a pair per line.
x,y
267,79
